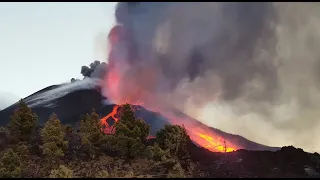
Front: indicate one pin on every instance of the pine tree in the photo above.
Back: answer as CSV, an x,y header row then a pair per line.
x,y
129,126
10,165
74,142
92,137
23,122
53,138
175,139
130,133
129,147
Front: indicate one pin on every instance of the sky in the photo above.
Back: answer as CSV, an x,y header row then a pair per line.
x,y
46,43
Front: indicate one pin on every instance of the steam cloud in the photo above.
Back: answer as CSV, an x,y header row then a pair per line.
x,y
247,68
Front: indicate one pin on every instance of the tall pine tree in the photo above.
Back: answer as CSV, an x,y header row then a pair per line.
x,y
53,138
92,137
130,133
23,122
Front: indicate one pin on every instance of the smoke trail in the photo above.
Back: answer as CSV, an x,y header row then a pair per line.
x,y
247,68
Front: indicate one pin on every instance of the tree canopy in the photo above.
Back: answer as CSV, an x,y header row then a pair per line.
x,y
53,138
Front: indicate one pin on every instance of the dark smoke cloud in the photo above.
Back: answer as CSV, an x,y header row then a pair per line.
x,y
95,70
224,39
248,68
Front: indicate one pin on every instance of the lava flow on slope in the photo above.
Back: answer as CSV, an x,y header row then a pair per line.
x,y
106,127
207,139
201,134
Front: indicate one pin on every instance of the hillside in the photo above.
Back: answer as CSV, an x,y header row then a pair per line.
x,y
75,99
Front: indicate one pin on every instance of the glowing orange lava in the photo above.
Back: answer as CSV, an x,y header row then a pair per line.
x,y
203,135
106,127
215,145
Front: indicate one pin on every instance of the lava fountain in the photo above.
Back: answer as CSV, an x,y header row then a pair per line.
x,y
121,88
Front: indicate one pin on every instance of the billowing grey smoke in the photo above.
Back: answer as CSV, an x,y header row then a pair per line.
x,y
247,68
223,39
95,70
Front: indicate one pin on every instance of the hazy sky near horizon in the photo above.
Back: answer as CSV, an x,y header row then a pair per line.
x,y
46,43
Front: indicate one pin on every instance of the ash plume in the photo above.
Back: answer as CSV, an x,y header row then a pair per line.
x,y
247,68
94,70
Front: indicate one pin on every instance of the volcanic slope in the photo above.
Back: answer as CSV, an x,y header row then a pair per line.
x,y
71,100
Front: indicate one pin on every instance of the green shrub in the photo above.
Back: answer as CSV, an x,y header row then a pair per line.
x,y
129,174
158,154
102,174
10,165
61,172
176,171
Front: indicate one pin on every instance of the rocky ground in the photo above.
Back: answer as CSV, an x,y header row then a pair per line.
x,y
287,162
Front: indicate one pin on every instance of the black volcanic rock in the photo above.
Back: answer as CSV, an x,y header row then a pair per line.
x,y
287,162
68,108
